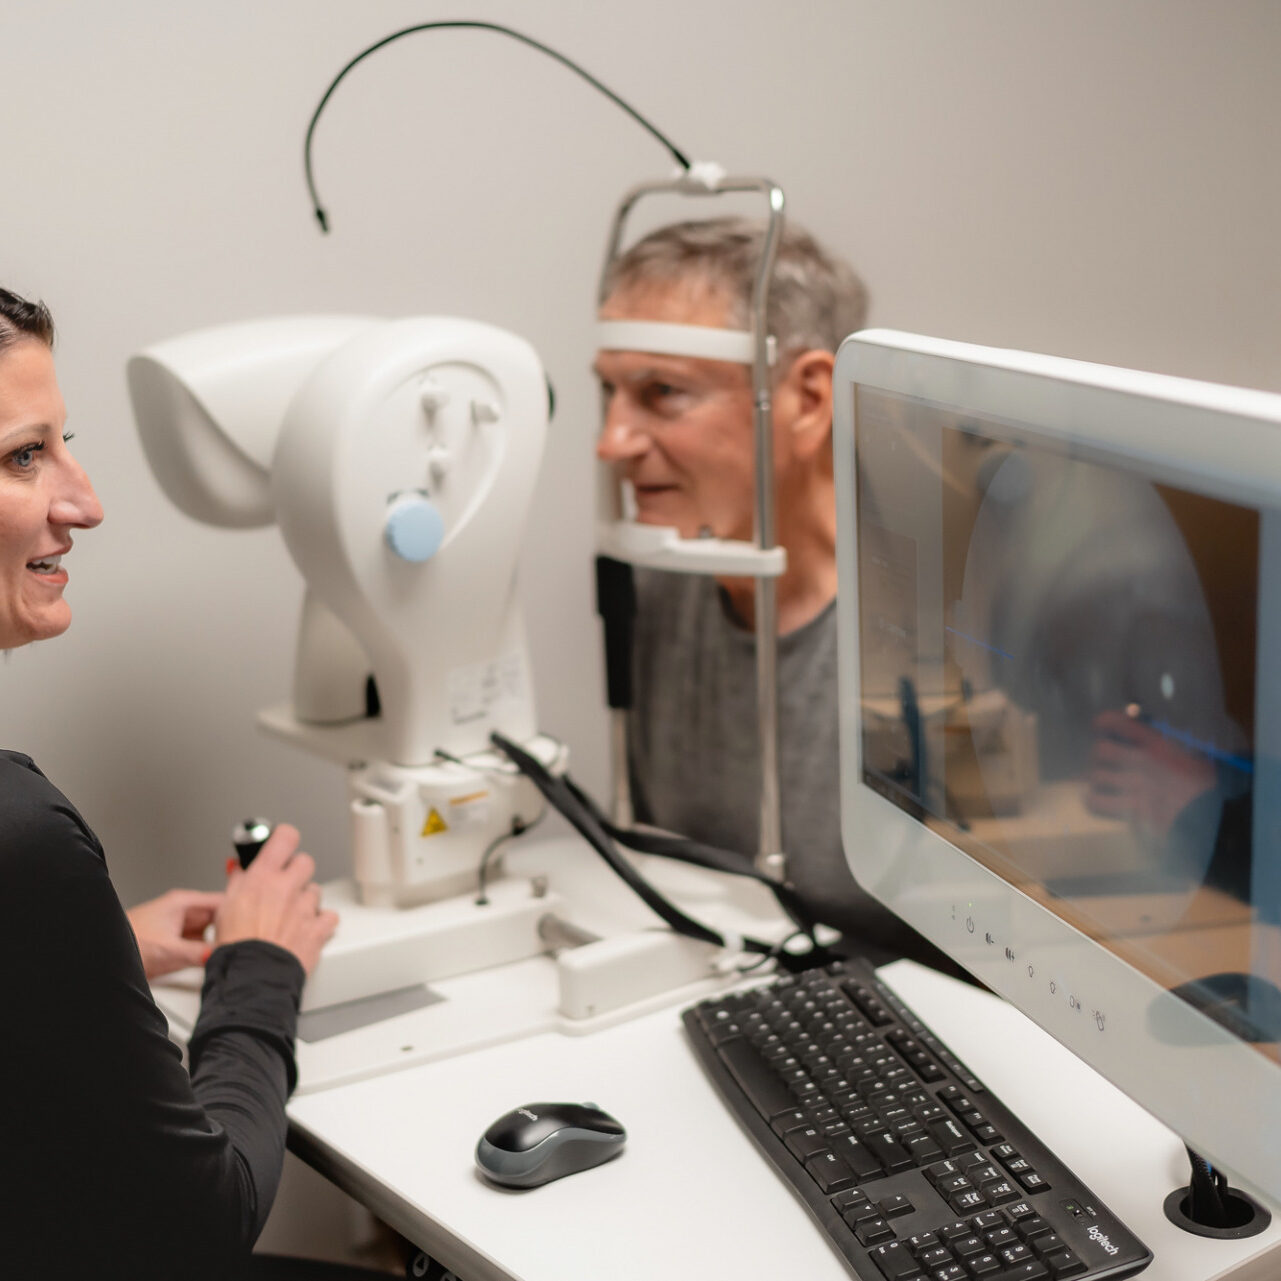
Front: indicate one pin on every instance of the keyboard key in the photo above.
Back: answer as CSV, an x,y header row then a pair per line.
x,y
1029,1224
942,1170
857,1214
895,1262
948,1134
850,1197
1033,1182
830,1172
983,1265
1000,1192
935,1257
922,1241
893,1206
719,1032
796,1119
999,1239
987,1221
1033,1270
954,1231
923,1148
806,1143
859,1157
868,1003
1013,1254
1064,1264
952,1272
1050,1243
874,1231
891,1153
964,1202
986,1133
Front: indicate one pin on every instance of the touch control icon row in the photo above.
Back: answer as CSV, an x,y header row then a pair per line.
x,y
1074,1002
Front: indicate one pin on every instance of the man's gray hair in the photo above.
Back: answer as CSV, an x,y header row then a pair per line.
x,y
815,298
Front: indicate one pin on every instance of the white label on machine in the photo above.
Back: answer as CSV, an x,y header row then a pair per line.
x,y
469,811
475,691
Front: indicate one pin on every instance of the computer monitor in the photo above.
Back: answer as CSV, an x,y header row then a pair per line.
x,y
1060,688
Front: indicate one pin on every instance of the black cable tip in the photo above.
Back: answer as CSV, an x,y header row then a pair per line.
x,y
323,219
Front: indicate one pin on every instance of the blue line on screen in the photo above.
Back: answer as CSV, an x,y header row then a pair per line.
x,y
981,644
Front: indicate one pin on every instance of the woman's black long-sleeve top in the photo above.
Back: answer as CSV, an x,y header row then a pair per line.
x,y
114,1162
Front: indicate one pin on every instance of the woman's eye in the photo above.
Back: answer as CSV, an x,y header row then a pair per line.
x,y
25,458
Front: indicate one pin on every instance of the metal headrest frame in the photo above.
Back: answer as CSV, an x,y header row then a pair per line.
x,y
765,560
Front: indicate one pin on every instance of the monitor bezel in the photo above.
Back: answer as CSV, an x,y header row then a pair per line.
x,y
1222,441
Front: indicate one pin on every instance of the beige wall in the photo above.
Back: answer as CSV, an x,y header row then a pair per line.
x,y
1094,179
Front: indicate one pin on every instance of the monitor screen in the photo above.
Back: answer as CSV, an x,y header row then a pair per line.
x,y
1056,671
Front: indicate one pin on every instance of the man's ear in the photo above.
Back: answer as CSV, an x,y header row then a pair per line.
x,y
803,402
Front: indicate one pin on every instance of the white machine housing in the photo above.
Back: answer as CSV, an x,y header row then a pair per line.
x,y
399,458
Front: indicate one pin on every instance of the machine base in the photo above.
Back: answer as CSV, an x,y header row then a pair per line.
x,y
382,949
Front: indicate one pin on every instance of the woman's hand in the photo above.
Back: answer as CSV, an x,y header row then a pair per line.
x,y
277,901
170,930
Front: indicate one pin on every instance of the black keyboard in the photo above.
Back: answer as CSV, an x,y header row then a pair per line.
x,y
912,1169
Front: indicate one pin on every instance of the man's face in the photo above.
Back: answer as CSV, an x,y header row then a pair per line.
x,y
679,429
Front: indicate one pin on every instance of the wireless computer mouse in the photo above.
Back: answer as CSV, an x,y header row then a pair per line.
x,y
544,1141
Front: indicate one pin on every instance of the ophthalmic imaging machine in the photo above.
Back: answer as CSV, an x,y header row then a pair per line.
x,y
399,459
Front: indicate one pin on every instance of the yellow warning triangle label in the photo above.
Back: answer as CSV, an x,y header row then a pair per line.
x,y
434,823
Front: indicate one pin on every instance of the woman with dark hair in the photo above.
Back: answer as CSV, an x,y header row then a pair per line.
x,y
117,1162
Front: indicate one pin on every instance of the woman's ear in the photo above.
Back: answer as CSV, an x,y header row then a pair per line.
x,y
803,402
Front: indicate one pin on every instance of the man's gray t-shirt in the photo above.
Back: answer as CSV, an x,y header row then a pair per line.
x,y
695,760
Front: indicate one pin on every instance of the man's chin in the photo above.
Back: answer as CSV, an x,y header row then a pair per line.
x,y
668,520
661,511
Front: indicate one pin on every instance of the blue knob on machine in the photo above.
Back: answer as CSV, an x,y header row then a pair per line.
x,y
415,528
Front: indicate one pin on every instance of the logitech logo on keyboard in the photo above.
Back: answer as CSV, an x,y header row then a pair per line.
x,y
1097,1234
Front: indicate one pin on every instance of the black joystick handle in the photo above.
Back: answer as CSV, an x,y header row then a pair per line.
x,y
249,837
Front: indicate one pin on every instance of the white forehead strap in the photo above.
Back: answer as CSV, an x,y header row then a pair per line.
x,y
701,341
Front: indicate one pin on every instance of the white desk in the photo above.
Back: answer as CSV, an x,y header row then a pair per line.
x,y
690,1199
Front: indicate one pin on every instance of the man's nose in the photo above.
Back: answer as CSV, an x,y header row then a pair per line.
x,y
620,439
75,503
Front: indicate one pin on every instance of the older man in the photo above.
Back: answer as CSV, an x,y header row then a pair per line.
x,y
680,431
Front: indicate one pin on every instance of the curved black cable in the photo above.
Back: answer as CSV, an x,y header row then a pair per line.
x,y
683,849
323,219
1206,1191
584,817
